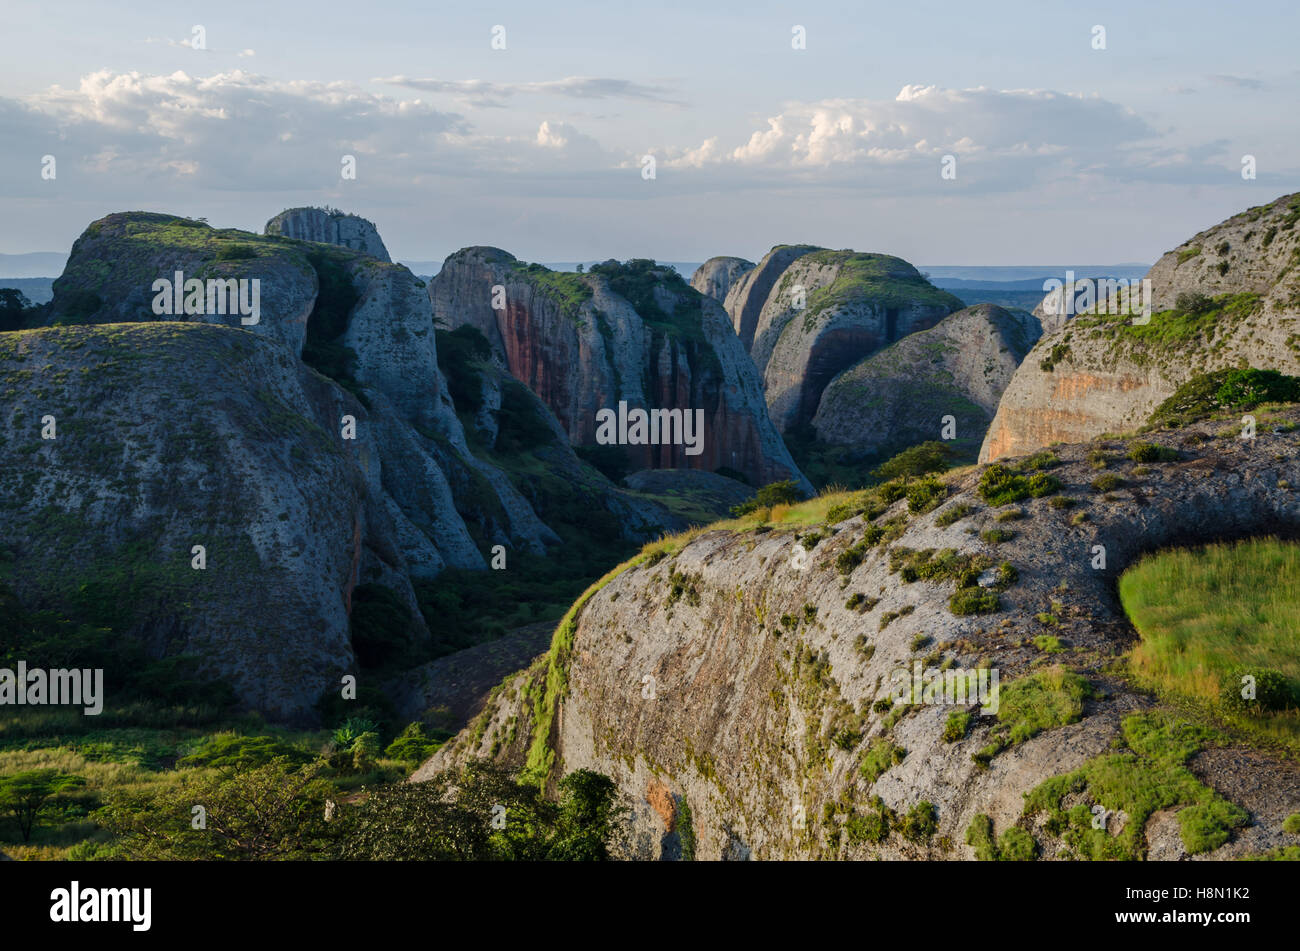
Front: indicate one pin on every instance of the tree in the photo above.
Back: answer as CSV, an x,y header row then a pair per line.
x,y
785,492
13,305
919,460
589,817
275,811
24,794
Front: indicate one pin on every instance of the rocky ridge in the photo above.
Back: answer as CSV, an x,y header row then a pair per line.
x,y
742,674
1228,297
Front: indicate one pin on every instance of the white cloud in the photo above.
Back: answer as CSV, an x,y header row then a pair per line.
x,y
485,92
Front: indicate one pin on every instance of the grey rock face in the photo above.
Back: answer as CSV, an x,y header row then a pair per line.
x,y
329,226
715,277
900,395
1108,375
828,310
581,347
184,434
756,663
747,295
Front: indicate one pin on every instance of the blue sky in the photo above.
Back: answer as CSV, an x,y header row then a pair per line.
x,y
1063,152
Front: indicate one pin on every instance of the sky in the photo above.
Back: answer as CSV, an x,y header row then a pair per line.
x,y
1060,151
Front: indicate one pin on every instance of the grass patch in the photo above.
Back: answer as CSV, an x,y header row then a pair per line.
x,y
1049,698
1210,617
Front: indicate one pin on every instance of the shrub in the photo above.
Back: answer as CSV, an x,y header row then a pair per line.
x,y
1012,515
229,751
1000,486
236,252
925,495
919,460
921,822
880,757
1272,690
973,601
1062,502
952,514
412,745
785,492
1292,824
1016,845
957,726
919,641
1048,643
979,835
1106,482
996,536
1151,452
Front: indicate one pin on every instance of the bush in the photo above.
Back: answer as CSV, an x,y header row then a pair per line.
x,y
412,745
1292,824
1151,452
1106,482
974,601
1016,845
925,495
952,514
996,536
785,492
236,252
919,460
1001,486
921,822
230,751
880,757
1272,690
957,726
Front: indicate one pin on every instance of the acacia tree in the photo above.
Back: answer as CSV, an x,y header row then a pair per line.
x,y
24,794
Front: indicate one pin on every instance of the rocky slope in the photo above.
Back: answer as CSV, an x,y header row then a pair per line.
x,y
750,679
746,297
1229,296
829,310
329,226
715,277
628,332
899,396
313,450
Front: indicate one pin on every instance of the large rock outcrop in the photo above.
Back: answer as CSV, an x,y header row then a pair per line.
x,y
899,396
747,296
329,226
715,277
173,435
633,333
751,679
829,310
312,450
1228,297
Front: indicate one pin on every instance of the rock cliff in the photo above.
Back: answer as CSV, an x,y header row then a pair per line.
x,y
899,396
829,310
631,332
311,444
715,277
742,681
1229,296
329,226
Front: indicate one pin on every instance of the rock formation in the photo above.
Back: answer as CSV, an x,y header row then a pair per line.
x,y
329,226
1230,296
715,277
899,396
770,655
311,449
633,333
829,310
